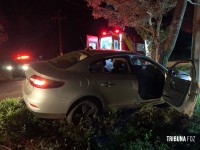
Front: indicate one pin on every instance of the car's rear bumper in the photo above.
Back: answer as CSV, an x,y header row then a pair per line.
x,y
45,103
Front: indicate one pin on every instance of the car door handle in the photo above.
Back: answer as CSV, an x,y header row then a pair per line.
x,y
107,84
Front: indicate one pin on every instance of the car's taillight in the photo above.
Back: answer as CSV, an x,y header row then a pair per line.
x,y
43,83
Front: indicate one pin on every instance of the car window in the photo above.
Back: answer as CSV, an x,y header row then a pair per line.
x,y
68,59
139,64
116,65
140,61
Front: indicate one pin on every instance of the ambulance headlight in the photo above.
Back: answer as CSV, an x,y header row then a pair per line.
x,y
24,67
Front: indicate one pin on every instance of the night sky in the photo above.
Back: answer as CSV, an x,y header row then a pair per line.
x,y
30,27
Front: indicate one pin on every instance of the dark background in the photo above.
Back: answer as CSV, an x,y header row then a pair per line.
x,y
30,27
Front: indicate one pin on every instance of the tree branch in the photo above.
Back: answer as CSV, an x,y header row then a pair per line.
x,y
146,29
150,22
150,18
159,21
193,3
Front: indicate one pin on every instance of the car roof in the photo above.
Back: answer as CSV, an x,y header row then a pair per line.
x,y
106,52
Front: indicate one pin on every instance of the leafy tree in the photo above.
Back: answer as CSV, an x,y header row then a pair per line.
x,y
3,34
147,17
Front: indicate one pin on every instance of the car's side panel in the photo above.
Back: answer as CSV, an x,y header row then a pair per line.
x,y
118,89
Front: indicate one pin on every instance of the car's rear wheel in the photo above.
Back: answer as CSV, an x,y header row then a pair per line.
x,y
84,114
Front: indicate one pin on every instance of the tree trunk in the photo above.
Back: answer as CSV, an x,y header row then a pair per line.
x,y
155,47
168,45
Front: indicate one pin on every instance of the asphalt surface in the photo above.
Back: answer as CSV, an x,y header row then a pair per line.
x,y
10,89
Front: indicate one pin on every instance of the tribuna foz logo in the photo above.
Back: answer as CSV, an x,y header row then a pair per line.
x,y
180,138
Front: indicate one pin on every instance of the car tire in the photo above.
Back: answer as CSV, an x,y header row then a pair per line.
x,y
83,114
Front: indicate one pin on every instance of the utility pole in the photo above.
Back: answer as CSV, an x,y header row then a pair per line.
x,y
58,18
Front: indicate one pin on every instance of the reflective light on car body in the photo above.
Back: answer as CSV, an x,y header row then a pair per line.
x,y
38,95
9,68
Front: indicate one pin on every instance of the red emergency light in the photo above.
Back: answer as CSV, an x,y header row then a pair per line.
x,y
23,57
116,31
104,33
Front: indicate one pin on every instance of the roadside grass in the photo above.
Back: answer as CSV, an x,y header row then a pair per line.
x,y
147,128
5,75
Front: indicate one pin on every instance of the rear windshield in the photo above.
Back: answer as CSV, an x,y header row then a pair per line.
x,y
68,59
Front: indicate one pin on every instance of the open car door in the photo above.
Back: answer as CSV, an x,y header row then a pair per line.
x,y
181,87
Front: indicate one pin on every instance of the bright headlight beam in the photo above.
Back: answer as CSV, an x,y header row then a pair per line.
x,y
25,67
9,68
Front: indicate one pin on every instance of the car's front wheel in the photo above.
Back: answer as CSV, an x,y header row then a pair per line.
x,y
84,113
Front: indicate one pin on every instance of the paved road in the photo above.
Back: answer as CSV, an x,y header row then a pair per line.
x,y
9,89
